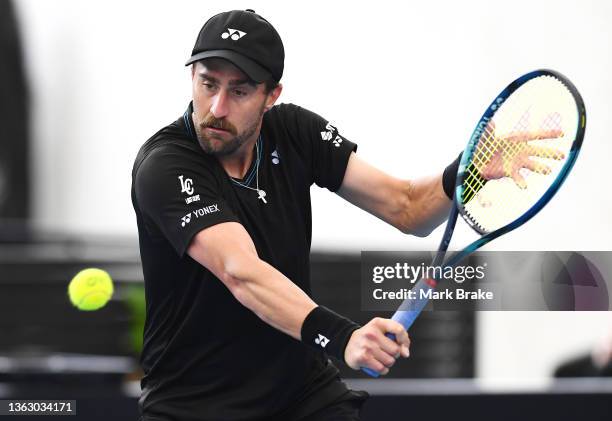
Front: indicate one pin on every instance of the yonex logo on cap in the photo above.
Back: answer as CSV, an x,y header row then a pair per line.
x,y
233,34
321,340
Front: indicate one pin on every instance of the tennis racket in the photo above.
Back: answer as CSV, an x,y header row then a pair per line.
x,y
517,158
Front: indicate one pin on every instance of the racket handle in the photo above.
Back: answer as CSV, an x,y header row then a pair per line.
x,y
407,317
370,372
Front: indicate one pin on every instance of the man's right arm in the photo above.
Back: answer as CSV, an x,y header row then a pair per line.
x,y
227,250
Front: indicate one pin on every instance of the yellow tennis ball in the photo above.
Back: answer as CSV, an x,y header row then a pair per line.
x,y
90,289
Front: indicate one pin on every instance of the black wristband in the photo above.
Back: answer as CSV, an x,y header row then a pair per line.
x,y
327,331
449,177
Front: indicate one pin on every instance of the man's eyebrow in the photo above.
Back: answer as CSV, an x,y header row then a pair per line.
x,y
238,82
234,82
208,78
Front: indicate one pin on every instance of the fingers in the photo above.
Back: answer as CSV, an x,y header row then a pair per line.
x,y
377,359
550,128
370,346
535,166
536,135
383,357
544,152
366,354
548,134
401,344
518,179
507,164
404,340
530,164
377,366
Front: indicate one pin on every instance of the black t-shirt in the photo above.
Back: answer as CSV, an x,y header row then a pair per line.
x,y
206,356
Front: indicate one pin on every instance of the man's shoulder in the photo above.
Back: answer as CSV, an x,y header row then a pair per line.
x,y
171,140
292,117
285,110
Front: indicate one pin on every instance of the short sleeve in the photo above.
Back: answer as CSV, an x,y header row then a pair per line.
x,y
324,147
179,196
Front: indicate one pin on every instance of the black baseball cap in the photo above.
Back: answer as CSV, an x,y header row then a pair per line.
x,y
245,39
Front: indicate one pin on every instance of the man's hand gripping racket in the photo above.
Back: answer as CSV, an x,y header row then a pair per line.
x,y
521,151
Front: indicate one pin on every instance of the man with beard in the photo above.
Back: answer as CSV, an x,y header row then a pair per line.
x,y
222,200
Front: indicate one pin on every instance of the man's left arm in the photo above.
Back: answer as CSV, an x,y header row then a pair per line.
x,y
413,206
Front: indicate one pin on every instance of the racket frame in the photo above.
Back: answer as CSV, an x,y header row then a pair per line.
x,y
409,310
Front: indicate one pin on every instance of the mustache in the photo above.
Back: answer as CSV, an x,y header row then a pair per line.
x,y
217,123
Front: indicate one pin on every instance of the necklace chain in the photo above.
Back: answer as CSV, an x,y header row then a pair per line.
x,y
261,193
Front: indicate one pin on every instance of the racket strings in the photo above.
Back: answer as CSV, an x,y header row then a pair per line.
x,y
482,156
474,181
485,151
491,145
500,174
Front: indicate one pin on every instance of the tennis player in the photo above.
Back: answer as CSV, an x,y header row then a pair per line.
x,y
222,202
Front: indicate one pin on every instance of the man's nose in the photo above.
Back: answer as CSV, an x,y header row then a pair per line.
x,y
219,107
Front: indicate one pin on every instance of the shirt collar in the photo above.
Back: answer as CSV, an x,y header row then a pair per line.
x,y
188,121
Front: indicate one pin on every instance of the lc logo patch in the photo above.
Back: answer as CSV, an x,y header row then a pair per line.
x,y
186,185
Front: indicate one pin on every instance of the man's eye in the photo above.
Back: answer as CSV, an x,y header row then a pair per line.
x,y
209,85
239,92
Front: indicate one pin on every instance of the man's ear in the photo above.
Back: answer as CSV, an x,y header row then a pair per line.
x,y
273,96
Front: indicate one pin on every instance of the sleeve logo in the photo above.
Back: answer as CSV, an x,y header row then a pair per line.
x,y
199,213
331,132
185,219
328,134
187,188
186,185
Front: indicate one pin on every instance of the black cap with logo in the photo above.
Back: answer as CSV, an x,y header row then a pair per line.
x,y
245,39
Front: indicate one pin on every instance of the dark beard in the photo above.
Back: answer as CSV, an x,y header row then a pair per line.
x,y
225,148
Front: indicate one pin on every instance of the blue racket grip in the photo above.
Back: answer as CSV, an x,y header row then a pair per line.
x,y
407,317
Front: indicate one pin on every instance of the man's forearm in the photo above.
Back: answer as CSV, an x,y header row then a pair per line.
x,y
412,206
425,206
269,294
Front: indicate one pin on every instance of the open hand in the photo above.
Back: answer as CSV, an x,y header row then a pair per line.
x,y
503,155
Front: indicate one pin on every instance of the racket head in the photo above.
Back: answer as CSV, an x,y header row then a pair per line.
x,y
531,133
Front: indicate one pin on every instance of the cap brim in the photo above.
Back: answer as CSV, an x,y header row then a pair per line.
x,y
248,66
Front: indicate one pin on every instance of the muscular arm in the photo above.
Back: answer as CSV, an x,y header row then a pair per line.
x,y
227,250
413,206
229,253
